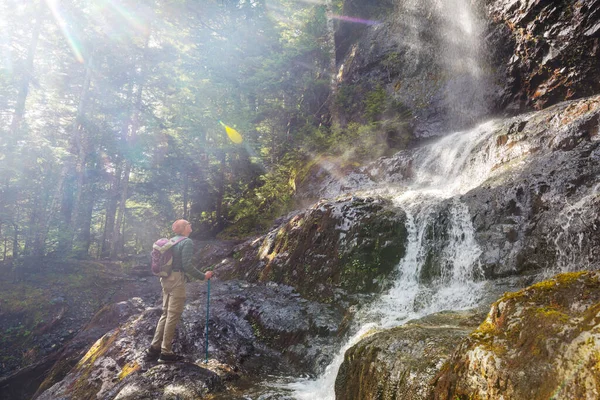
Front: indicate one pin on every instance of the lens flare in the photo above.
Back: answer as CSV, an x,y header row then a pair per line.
x,y
354,19
233,135
128,15
64,27
5,53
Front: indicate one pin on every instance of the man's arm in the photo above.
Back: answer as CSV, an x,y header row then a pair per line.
x,y
187,255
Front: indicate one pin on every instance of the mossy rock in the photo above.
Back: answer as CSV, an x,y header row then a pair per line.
x,y
400,363
350,245
542,342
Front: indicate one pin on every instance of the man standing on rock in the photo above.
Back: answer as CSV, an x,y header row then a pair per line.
x,y
173,290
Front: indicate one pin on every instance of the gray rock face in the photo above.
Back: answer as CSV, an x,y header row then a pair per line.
x,y
254,331
540,211
548,51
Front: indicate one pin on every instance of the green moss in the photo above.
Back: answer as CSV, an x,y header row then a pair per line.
x,y
128,369
544,285
83,388
569,277
551,314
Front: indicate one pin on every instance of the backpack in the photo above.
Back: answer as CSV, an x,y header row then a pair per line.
x,y
162,255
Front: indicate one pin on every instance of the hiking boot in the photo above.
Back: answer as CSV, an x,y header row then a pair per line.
x,y
169,358
151,354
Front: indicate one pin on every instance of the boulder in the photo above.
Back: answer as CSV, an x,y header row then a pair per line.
x,y
255,330
400,363
539,343
327,251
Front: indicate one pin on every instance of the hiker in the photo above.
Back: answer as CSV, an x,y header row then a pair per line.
x,y
173,290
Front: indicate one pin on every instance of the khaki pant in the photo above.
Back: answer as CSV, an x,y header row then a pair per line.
x,y
172,308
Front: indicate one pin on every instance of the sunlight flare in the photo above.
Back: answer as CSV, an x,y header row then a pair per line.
x,y
354,19
233,135
64,27
128,15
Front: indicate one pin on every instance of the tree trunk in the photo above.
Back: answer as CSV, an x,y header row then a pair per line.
x,y
27,74
108,238
273,145
33,227
332,68
220,192
116,236
185,193
15,245
84,238
135,124
111,211
82,148
330,43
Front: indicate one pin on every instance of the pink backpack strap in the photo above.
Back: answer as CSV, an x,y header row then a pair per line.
x,y
181,239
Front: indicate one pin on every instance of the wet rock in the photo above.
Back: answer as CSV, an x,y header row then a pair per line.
x,y
108,318
400,363
548,51
426,58
539,210
253,331
333,248
539,343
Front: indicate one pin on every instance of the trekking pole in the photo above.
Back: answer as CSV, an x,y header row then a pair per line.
x,y
207,311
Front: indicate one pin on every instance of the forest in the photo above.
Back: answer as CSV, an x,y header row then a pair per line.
x,y
114,113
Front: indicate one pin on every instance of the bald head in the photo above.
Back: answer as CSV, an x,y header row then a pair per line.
x,y
182,227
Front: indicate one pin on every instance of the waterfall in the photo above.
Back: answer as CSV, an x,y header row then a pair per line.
x,y
459,56
573,248
443,171
433,275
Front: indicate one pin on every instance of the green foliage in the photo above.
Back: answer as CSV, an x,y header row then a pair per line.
x,y
375,104
345,98
255,212
351,145
121,134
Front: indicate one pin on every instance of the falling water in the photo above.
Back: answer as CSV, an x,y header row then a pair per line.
x,y
463,88
443,171
573,248
440,173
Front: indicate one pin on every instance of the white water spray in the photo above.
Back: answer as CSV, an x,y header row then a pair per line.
x,y
573,248
442,172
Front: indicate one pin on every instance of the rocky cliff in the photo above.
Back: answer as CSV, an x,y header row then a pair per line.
x,y
443,65
548,51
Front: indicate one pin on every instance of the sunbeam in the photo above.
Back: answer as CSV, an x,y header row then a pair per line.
x,y
5,53
132,19
354,19
64,27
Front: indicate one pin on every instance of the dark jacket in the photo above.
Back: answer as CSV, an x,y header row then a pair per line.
x,y
183,255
